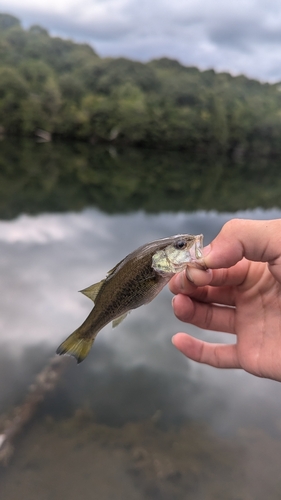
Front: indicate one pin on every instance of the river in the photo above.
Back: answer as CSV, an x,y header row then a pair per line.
x,y
136,419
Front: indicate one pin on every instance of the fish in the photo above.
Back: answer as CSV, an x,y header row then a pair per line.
x,y
136,280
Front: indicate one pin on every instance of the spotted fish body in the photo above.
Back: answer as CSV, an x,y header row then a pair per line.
x,y
133,282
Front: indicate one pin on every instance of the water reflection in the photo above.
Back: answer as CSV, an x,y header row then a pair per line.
x,y
182,429
132,371
65,176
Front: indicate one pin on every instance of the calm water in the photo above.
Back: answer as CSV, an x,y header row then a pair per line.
x,y
134,384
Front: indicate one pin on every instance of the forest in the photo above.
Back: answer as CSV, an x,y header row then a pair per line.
x,y
67,90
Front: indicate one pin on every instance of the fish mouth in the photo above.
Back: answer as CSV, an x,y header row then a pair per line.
x,y
199,247
169,260
196,252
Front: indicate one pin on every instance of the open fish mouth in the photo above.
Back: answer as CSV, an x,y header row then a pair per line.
x,y
196,253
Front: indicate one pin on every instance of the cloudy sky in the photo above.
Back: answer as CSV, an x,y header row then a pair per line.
x,y
240,37
45,259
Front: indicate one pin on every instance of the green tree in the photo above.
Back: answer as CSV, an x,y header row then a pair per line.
x,y
13,91
7,21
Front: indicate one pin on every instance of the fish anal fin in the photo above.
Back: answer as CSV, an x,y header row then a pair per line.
x,y
92,291
75,346
118,320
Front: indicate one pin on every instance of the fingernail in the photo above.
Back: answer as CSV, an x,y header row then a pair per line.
x,y
188,275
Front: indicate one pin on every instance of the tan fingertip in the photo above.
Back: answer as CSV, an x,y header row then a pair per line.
x,y
188,275
176,337
172,339
199,277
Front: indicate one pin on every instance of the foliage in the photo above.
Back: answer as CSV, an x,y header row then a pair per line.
x,y
66,89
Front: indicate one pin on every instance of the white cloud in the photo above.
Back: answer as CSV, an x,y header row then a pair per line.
x,y
50,228
240,37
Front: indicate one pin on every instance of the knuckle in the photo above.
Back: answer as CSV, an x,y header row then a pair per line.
x,y
208,317
231,226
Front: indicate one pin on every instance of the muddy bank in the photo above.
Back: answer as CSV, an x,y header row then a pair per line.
x,y
79,457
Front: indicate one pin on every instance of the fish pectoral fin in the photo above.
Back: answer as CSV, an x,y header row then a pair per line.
x,y
118,320
76,346
92,291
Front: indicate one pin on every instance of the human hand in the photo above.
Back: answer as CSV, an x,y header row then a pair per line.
x,y
244,276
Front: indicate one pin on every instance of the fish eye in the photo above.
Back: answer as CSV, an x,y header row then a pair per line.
x,y
179,245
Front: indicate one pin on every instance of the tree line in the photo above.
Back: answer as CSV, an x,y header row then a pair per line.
x,y
65,88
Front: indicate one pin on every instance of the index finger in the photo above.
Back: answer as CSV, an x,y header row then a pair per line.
x,y
254,239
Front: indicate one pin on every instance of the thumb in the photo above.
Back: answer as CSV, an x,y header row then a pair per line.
x,y
256,240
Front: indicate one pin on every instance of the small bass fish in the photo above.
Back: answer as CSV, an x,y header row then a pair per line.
x,y
134,281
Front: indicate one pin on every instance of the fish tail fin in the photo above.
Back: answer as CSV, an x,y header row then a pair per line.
x,y
76,346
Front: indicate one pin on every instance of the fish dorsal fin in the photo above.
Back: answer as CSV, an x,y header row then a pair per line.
x,y
92,291
112,271
118,320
